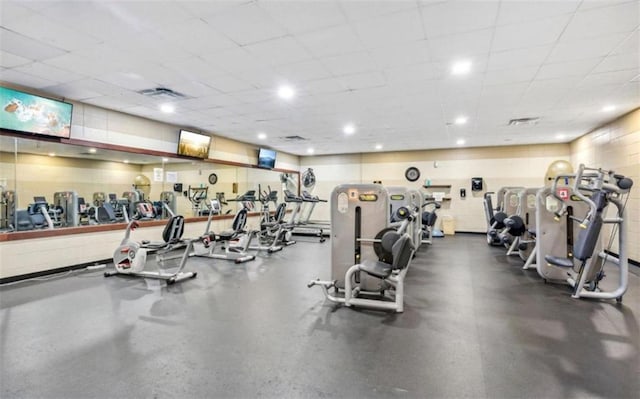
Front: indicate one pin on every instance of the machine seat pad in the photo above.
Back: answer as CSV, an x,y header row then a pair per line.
x,y
228,235
558,261
375,268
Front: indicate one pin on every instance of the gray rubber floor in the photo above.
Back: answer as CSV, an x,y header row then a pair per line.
x,y
475,325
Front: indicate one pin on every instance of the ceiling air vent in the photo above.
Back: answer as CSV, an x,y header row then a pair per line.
x,y
293,138
524,121
162,93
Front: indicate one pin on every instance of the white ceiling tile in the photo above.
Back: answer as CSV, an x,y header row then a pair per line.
x,y
465,45
8,60
227,83
193,68
604,20
49,72
630,45
297,17
533,56
617,62
50,33
25,47
404,26
275,52
12,11
231,60
512,75
72,91
364,80
570,50
83,65
24,79
616,78
209,101
412,74
196,36
356,10
514,12
401,54
331,41
140,13
349,63
457,17
563,69
246,24
262,77
304,71
529,34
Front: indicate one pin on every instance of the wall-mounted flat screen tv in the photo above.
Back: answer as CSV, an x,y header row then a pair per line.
x,y
194,145
266,158
28,113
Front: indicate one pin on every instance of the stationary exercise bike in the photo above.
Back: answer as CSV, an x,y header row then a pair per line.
x,y
130,258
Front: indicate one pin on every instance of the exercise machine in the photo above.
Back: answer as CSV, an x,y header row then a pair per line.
x,y
130,258
580,263
274,232
67,203
296,227
411,201
369,260
169,198
7,209
198,197
236,252
429,219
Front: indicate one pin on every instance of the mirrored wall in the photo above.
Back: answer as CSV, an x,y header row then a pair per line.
x,y
52,185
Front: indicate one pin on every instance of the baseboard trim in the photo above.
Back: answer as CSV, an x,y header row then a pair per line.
x,y
42,273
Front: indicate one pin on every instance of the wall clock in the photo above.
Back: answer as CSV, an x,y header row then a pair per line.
x,y
213,178
412,174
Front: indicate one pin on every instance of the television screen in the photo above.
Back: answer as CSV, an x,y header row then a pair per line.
x,y
193,144
266,158
28,113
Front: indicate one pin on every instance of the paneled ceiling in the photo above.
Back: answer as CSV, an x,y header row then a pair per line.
x,y
384,67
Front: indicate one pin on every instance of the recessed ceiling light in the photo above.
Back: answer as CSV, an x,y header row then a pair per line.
x,y
608,108
52,154
165,159
461,120
262,136
349,129
167,108
378,146
310,151
560,136
92,150
126,161
286,92
460,142
461,67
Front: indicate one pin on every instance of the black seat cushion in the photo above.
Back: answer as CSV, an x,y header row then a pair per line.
x,y
375,268
558,261
227,235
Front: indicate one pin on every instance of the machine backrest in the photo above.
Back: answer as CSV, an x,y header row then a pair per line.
x,y
488,205
106,213
280,212
240,220
402,252
24,220
429,218
588,238
173,229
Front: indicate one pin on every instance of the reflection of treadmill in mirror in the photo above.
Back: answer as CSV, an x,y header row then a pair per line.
x,y
248,197
313,200
299,228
